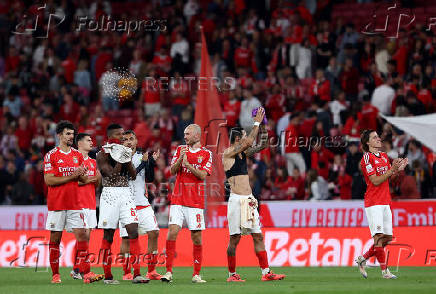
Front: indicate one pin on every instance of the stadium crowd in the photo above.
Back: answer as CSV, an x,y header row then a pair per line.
x,y
322,80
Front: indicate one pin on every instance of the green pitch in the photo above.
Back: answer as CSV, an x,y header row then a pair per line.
x,y
299,280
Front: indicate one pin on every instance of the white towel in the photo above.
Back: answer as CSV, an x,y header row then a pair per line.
x,y
119,153
248,217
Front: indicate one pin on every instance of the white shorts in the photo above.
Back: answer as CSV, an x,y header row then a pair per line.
x,y
379,219
90,219
58,220
193,216
234,215
116,206
146,222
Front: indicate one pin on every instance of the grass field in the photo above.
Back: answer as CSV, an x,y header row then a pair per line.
x,y
299,280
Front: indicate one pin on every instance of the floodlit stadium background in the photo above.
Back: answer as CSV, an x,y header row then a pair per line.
x,y
334,63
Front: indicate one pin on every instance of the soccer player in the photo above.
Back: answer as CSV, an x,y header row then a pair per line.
x,y
87,192
144,165
191,163
377,170
63,169
116,204
235,166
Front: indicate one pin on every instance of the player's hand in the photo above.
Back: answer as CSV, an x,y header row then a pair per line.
x,y
156,154
144,156
185,162
259,115
80,171
403,163
183,151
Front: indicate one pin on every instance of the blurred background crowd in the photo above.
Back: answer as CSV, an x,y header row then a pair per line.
x,y
306,62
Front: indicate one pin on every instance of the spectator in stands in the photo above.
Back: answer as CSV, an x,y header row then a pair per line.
x,y
321,86
318,187
22,191
349,79
423,179
292,152
304,60
383,96
249,103
13,102
414,153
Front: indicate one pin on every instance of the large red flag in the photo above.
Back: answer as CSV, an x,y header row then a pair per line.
x,y
209,116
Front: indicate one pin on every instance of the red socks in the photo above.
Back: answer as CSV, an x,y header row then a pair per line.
x,y
369,253
82,257
107,259
197,253
231,261
135,250
54,258
263,259
126,264
152,261
170,252
75,266
381,257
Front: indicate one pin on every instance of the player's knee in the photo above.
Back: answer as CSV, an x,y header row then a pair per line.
x,y
108,235
153,234
231,250
257,238
234,239
133,234
196,237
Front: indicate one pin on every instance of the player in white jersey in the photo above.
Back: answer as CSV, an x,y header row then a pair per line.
x,y
147,224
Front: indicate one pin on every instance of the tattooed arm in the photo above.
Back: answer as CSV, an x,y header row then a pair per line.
x,y
263,143
246,142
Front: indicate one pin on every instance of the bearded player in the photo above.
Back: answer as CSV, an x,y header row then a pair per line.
x,y
63,169
116,203
235,166
87,192
147,224
377,170
191,163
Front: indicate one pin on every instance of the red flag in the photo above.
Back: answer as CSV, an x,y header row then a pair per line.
x,y
209,116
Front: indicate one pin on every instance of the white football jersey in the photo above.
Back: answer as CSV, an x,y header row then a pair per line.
x,y
138,185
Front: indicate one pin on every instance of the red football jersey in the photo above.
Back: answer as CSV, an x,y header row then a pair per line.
x,y
61,164
376,164
87,192
188,189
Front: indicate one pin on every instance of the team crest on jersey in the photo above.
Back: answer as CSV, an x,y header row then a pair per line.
x,y
200,159
75,159
92,166
376,161
385,160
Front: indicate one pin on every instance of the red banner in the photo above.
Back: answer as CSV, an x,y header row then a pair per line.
x,y
285,246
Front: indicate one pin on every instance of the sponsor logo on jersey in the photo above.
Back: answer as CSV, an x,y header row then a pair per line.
x,y
47,166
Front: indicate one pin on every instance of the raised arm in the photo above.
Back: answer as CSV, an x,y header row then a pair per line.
x,y
263,143
246,142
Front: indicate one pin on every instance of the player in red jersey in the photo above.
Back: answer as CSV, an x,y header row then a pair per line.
x,y
63,169
87,191
377,170
191,163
